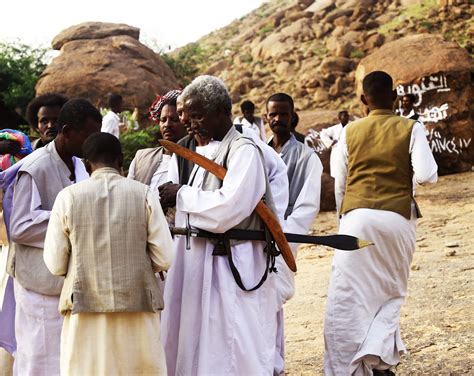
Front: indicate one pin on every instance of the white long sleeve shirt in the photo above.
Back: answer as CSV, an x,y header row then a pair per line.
x,y
425,169
111,124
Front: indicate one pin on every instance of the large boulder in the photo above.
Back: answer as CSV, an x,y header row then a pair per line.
x,y
100,58
93,30
439,74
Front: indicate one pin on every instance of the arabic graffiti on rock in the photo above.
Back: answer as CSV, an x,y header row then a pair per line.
x,y
430,83
431,103
451,145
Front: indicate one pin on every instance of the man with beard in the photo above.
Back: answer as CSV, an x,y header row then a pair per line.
x,y
42,175
150,166
42,114
304,177
211,326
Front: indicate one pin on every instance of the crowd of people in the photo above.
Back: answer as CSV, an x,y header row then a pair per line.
x,y
98,285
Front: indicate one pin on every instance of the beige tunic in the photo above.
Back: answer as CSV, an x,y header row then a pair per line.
x,y
107,340
126,343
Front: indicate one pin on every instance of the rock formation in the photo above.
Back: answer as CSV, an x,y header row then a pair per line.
x,y
438,73
311,49
99,58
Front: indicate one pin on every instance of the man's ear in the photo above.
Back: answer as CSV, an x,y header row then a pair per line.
x,y
363,99
66,131
88,166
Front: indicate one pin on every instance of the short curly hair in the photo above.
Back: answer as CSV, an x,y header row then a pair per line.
x,y
75,113
210,91
45,100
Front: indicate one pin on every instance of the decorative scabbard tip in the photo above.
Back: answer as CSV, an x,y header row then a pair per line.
x,y
363,243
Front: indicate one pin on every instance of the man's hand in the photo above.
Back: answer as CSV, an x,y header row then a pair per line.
x,y
168,193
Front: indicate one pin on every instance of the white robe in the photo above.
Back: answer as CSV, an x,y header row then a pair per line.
x,y
368,286
276,172
37,319
209,325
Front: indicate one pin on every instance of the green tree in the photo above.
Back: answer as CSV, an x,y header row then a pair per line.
x,y
133,141
20,68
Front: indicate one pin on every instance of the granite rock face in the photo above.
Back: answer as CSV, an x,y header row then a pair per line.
x,y
439,74
100,58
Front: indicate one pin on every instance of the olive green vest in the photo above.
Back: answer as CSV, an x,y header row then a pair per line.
x,y
379,172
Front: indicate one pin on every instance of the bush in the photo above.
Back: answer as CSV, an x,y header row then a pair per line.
x,y
20,68
268,28
133,141
357,54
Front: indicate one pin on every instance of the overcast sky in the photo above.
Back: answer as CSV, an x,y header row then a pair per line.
x,y
170,22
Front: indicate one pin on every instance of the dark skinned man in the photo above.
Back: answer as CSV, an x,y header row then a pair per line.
x,y
42,113
41,176
211,326
379,158
304,178
110,299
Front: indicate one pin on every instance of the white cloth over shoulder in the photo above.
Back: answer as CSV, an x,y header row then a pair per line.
x,y
368,286
210,326
160,176
257,126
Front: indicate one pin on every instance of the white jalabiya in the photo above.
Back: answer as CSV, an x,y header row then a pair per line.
x,y
210,326
37,319
38,333
328,136
368,286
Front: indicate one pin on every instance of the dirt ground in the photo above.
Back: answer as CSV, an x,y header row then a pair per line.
x,y
437,320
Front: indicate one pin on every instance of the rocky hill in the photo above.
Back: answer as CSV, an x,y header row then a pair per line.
x,y
311,49
319,50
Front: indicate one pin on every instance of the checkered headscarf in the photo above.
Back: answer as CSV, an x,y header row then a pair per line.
x,y
160,102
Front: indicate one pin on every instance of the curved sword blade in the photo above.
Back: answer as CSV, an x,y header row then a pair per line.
x,y
263,211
